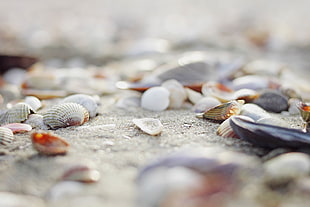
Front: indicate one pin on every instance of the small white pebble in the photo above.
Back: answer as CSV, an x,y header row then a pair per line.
x,y
155,99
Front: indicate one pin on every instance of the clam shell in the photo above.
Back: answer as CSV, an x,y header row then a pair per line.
x,y
18,127
49,144
225,129
65,114
155,99
18,113
254,111
270,136
177,93
33,102
6,136
205,104
149,125
224,111
85,100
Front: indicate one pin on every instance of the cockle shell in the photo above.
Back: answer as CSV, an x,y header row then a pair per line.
x,y
225,129
224,111
6,136
49,144
155,99
65,114
304,109
177,93
18,127
18,113
33,102
149,125
85,100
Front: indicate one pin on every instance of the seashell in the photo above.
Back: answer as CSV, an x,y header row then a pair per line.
x,y
155,99
253,111
18,127
49,144
248,95
81,173
6,136
272,101
273,121
42,80
33,102
44,94
149,125
217,90
225,129
177,93
270,136
193,96
205,104
263,68
85,100
224,111
64,115
18,113
304,109
36,121
293,108
254,82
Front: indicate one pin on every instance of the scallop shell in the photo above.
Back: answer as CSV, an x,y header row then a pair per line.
x,y
33,102
224,111
49,144
225,129
18,127
65,114
6,136
85,100
155,99
149,125
177,93
18,113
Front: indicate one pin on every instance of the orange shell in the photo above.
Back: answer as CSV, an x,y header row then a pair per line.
x,y
224,111
49,144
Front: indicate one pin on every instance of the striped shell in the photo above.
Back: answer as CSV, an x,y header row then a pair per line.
x,y
49,144
6,136
18,113
65,114
85,100
224,111
304,109
225,129
33,102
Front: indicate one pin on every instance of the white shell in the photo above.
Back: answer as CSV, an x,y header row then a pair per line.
x,y
36,121
65,114
18,113
225,129
253,82
149,125
254,111
155,99
205,104
193,96
273,121
85,100
177,93
6,136
33,102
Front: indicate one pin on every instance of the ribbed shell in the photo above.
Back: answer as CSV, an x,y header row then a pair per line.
x,y
65,114
6,136
304,109
85,100
18,113
225,129
224,111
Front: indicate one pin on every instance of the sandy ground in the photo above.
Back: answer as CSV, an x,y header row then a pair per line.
x,y
110,140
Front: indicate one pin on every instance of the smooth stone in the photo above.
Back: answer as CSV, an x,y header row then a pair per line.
x,y
155,99
272,101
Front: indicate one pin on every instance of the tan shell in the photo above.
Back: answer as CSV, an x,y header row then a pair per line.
x,y
304,109
149,125
6,136
81,173
224,111
225,129
65,114
85,100
18,113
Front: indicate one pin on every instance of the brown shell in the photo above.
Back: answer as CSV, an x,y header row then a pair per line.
x,y
224,111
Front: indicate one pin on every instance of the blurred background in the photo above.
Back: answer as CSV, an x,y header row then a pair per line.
x,y
97,29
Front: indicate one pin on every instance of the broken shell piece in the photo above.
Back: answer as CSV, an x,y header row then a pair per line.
x,y
217,90
155,99
65,114
6,136
36,121
81,173
49,144
225,129
18,113
149,125
177,93
85,100
224,111
18,127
